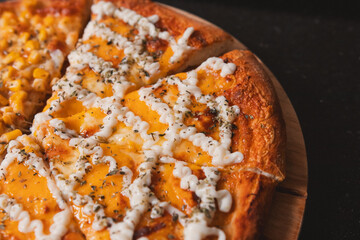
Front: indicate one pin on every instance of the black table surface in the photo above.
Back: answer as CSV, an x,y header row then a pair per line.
x,y
313,48
314,51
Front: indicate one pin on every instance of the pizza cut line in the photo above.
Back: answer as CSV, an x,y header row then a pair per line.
x,y
194,155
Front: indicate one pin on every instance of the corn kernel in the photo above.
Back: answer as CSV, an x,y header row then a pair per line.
x,y
20,63
26,74
3,44
7,15
12,135
34,57
8,18
12,56
8,118
43,34
32,45
24,21
3,100
51,31
16,101
24,84
49,20
39,85
40,73
24,36
35,20
7,29
10,72
15,85
26,14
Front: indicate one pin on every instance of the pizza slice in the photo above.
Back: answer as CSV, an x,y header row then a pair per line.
x,y
222,149
132,43
35,38
31,205
195,156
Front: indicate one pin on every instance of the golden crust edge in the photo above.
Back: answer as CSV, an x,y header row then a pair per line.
x,y
254,192
255,95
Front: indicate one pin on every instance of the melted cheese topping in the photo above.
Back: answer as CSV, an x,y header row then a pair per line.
x,y
15,210
174,118
117,76
146,27
131,143
196,226
27,225
139,193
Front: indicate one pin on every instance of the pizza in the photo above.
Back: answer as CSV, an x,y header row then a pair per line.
x,y
156,130
36,36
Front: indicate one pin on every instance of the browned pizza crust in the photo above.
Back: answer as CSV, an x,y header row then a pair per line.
x,y
63,7
260,135
7,6
252,194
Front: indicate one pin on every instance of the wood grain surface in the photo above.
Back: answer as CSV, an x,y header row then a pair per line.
x,y
288,206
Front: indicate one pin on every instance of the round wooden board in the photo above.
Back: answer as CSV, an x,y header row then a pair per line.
x,y
288,206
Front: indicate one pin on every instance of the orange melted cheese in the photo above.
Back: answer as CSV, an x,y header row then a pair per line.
x,y
125,146
134,161
26,186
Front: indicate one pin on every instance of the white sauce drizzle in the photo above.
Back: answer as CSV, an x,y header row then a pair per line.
x,y
58,58
132,50
139,194
26,225
61,130
218,64
180,46
145,27
138,191
196,226
15,210
174,118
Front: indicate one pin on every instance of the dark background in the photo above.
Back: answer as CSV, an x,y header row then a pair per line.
x,y
313,48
